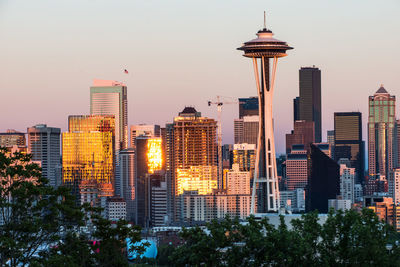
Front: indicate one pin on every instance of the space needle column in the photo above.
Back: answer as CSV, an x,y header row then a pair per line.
x,y
265,180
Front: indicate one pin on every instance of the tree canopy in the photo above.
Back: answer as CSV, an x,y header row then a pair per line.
x,y
346,239
39,224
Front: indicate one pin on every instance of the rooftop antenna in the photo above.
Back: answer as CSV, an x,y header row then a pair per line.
x,y
265,23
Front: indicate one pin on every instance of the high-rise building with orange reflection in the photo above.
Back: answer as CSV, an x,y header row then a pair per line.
x,y
191,155
88,156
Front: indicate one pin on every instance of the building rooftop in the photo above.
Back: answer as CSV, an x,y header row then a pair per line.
x,y
188,110
101,83
381,90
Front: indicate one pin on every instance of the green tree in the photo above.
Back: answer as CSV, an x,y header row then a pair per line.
x,y
39,225
352,239
72,251
164,252
112,241
32,213
345,239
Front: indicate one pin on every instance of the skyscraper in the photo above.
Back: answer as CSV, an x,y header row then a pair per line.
x,y
265,47
110,98
348,141
323,182
88,156
126,188
148,162
195,139
310,98
44,145
381,133
248,106
191,154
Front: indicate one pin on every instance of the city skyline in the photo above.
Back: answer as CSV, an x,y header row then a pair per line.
x,y
51,72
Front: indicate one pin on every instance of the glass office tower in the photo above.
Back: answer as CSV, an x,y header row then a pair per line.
x,y
88,156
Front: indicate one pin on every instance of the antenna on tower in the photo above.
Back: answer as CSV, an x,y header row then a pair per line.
x,y
265,23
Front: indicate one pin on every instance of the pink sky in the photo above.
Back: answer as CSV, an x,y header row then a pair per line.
x,y
184,53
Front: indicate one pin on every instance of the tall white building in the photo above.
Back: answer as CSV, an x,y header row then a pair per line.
x,y
110,98
394,185
44,144
347,177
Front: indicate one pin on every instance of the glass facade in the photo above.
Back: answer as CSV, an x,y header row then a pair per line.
x,y
110,98
197,178
154,154
88,156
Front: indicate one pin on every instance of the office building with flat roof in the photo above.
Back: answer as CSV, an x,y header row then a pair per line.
x,y
44,145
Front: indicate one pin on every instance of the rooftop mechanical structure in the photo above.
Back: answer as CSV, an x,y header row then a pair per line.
x,y
265,181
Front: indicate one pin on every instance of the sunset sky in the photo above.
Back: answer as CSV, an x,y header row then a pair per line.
x,y
184,53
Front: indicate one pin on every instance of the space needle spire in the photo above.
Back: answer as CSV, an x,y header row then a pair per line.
x,y
265,182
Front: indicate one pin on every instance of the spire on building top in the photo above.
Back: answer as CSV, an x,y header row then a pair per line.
x,y
265,21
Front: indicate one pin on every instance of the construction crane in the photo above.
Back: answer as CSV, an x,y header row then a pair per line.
x,y
219,103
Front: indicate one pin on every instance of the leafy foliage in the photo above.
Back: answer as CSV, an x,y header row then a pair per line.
x,y
345,239
39,225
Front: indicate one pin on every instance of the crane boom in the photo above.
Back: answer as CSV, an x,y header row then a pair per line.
x,y
219,103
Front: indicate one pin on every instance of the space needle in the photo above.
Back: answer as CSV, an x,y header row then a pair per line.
x,y
265,181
